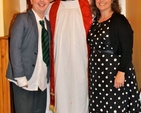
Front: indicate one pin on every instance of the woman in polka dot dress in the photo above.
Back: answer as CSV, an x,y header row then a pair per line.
x,y
113,87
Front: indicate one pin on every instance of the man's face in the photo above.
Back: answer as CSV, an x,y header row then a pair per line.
x,y
40,6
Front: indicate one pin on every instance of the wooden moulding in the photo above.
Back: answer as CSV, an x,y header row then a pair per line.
x,y
5,96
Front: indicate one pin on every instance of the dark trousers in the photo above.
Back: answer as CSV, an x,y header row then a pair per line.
x,y
29,101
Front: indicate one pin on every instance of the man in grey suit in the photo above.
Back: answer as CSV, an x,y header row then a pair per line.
x,y
27,71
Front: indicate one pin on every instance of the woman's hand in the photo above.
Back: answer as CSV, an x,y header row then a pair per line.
x,y
119,79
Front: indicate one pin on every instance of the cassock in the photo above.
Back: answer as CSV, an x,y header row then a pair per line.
x,y
70,22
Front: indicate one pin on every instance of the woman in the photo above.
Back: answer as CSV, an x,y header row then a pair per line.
x,y
113,86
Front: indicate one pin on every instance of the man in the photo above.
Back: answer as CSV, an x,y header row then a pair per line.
x,y
70,21
27,69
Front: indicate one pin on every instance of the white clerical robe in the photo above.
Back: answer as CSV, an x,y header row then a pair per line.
x,y
70,60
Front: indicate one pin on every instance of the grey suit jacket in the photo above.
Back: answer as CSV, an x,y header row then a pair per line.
x,y
24,46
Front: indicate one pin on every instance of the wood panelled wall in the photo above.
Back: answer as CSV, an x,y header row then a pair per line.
x,y
133,13
5,103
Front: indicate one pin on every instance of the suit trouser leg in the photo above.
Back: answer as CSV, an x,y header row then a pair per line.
x,y
29,101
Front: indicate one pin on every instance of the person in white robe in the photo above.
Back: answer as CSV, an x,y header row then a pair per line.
x,y
70,22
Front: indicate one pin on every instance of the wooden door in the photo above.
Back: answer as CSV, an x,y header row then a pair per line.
x,y
5,100
133,13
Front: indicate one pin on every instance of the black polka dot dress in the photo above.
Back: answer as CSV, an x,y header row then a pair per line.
x,y
103,65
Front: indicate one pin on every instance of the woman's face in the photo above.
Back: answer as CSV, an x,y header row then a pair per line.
x,y
104,5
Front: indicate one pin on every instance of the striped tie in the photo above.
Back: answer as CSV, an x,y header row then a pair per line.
x,y
45,43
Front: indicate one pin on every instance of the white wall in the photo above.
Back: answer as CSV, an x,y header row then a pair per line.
x,y
123,6
23,5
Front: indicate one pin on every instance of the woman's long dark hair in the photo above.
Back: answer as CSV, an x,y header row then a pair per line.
x,y
115,7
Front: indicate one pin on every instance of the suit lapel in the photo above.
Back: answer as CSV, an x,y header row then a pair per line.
x,y
34,22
